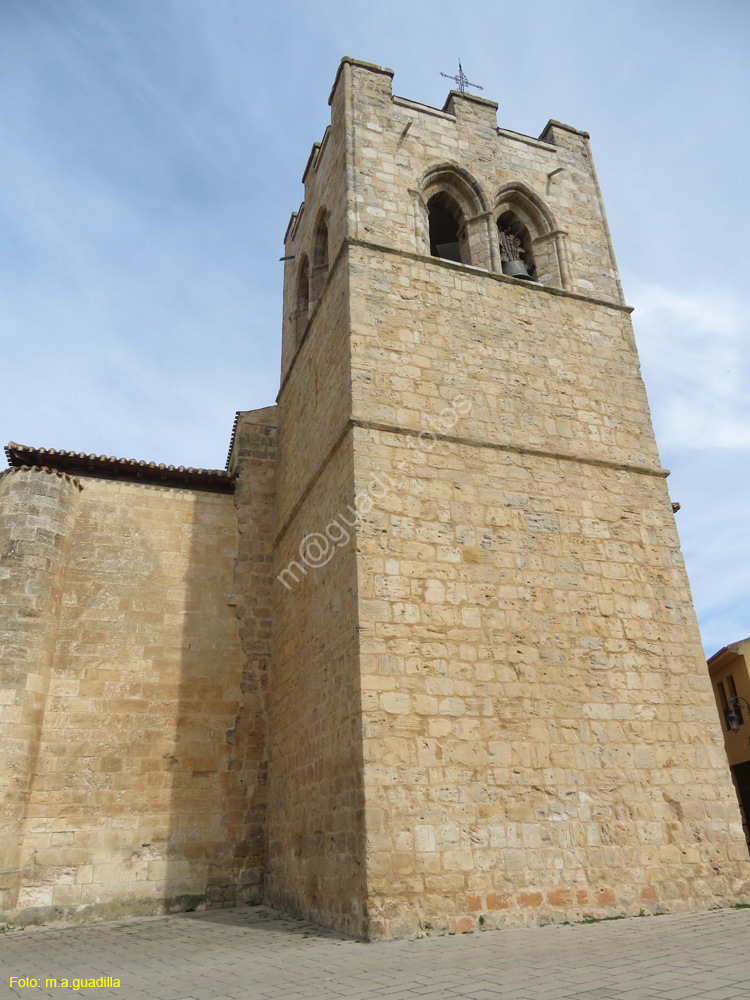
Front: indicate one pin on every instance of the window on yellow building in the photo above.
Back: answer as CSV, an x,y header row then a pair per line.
x,y
732,688
723,699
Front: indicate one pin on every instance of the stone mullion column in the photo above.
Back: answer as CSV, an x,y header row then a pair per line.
x,y
562,259
493,241
550,251
421,224
477,236
37,518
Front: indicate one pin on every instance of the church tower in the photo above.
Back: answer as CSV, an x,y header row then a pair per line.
x,y
488,697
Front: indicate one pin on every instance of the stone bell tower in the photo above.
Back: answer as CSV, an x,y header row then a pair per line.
x,y
488,695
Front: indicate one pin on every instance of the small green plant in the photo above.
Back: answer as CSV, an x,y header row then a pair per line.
x,y
481,921
600,920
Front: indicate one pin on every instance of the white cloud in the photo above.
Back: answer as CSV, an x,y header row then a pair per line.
x,y
695,352
713,486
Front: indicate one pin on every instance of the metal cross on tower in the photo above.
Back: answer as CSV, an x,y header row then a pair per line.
x,y
461,80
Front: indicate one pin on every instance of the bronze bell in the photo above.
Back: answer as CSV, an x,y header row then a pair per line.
x,y
516,269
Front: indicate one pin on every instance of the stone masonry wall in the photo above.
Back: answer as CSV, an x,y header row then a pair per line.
x,y
253,459
539,737
37,517
132,804
547,371
540,740
316,808
315,400
316,816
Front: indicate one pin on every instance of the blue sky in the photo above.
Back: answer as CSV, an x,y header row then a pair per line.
x,y
152,152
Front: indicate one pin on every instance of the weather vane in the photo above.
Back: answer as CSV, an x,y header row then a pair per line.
x,y
461,80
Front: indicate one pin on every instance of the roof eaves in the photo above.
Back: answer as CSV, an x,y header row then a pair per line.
x,y
218,480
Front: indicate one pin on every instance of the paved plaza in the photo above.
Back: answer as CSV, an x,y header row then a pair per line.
x,y
256,953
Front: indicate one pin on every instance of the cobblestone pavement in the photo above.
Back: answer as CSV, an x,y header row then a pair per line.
x,y
256,953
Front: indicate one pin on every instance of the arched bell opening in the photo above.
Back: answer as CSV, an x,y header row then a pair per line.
x,y
516,252
303,298
320,256
445,223
451,212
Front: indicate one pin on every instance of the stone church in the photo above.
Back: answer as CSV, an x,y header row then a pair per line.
x,y
424,656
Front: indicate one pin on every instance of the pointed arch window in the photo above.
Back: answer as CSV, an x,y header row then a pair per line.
x,y
445,221
320,256
451,214
303,287
516,250
303,297
529,238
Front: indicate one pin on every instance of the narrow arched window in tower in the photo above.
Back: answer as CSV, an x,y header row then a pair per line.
x,y
516,251
445,220
320,257
303,298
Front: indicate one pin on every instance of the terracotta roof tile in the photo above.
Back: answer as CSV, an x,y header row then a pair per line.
x,y
219,480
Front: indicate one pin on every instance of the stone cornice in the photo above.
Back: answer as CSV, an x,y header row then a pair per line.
x,y
455,439
509,446
480,272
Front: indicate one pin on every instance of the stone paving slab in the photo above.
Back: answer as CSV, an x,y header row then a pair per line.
x,y
259,954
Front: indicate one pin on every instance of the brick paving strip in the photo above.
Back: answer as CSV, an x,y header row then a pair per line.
x,y
258,953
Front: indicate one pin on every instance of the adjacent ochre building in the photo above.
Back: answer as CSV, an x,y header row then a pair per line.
x,y
425,655
728,669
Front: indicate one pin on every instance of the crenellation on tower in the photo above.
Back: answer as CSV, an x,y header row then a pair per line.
x,y
478,111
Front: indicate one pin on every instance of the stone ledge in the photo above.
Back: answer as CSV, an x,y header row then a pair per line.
x,y
516,449
466,442
529,140
470,269
491,275
404,102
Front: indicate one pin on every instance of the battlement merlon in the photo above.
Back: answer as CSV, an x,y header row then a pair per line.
x,y
381,76
477,110
553,128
